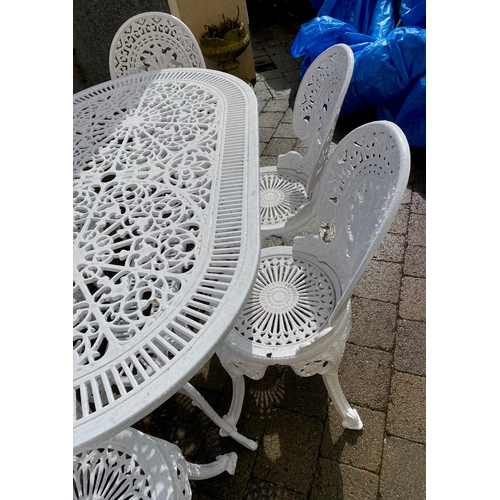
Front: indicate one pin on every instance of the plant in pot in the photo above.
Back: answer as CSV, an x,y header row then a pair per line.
x,y
224,42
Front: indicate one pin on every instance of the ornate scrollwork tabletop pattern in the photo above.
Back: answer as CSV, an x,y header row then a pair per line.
x,y
163,203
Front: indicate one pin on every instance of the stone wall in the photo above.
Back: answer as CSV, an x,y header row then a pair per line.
x,y
95,23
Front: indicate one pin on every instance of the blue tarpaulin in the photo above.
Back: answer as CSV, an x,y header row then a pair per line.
x,y
412,13
389,62
371,17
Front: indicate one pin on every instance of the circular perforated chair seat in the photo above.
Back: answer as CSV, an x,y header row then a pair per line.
x,y
291,301
132,466
281,195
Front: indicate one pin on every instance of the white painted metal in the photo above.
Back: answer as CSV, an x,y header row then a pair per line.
x,y
136,466
166,236
229,430
286,187
153,40
298,313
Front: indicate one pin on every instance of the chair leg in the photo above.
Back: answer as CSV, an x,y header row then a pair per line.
x,y
228,428
233,415
223,463
184,470
350,417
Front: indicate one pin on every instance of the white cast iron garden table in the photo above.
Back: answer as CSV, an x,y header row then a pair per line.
x,y
166,236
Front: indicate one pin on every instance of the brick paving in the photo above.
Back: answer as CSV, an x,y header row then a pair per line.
x,y
304,453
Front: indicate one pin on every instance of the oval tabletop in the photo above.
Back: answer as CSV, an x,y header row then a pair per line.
x,y
166,236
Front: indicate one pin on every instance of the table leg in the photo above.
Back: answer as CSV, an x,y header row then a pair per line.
x,y
201,402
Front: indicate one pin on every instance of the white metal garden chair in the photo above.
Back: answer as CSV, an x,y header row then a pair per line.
x,y
286,187
153,40
135,466
299,313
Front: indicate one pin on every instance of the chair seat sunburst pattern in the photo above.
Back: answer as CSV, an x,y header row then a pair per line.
x,y
291,300
280,197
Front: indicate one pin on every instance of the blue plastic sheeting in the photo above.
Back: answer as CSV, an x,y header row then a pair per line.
x,y
412,13
409,113
370,17
389,63
386,69
322,32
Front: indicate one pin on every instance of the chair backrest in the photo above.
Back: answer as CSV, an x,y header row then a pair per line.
x,y
153,40
318,102
358,194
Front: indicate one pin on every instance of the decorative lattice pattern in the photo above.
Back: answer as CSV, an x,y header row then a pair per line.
x,y
153,40
280,197
132,466
316,109
356,191
160,216
291,300
109,473
320,97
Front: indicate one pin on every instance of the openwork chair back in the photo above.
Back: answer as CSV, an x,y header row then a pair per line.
x,y
318,103
358,195
153,40
298,313
134,466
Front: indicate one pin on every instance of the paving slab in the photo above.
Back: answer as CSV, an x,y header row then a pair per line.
x,y
392,248
305,395
270,119
263,94
380,281
289,450
277,105
412,305
365,376
410,352
281,88
373,323
293,75
416,230
268,160
403,470
265,134
362,448
406,412
285,62
259,490
268,75
212,376
288,117
279,146
418,203
285,130
223,486
400,223
415,261
335,481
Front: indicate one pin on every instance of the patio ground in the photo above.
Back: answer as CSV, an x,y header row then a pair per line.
x,y
304,453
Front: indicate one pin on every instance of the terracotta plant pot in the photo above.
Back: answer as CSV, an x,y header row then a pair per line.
x,y
225,50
